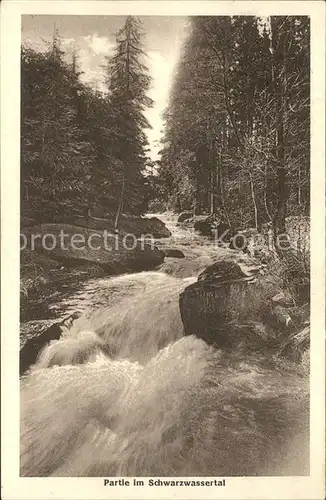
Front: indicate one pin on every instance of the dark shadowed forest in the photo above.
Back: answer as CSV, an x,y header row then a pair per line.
x,y
237,126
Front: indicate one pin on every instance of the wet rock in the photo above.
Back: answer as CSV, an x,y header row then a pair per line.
x,y
74,245
138,226
203,227
155,227
213,227
283,299
215,300
225,296
184,216
227,270
173,252
239,242
222,231
296,347
36,343
207,309
281,318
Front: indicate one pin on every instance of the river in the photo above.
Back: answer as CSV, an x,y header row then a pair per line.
x,y
125,393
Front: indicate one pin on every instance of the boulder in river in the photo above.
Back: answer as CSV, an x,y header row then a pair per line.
x,y
138,226
74,245
296,346
184,216
36,343
213,227
203,227
225,271
221,296
280,318
239,242
173,252
211,311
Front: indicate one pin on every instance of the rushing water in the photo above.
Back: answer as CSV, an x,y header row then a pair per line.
x,y
125,393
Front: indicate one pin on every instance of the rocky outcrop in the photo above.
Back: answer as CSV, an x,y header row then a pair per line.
x,y
214,228
203,227
173,252
34,344
74,245
217,300
129,224
184,216
233,305
295,347
239,242
138,226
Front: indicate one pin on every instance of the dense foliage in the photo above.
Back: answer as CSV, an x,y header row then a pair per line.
x,y
236,135
82,149
237,128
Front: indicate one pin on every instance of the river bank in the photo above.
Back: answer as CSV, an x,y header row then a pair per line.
x,y
50,264
123,391
53,283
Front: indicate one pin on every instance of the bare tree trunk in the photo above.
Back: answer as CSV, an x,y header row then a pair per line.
x,y
254,201
212,194
87,211
265,196
279,71
43,138
299,186
196,202
220,187
121,202
177,203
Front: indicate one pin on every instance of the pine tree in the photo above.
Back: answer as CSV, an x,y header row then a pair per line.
x,y
128,86
55,156
237,125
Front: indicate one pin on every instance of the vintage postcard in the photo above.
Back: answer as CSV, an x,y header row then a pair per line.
x,y
163,250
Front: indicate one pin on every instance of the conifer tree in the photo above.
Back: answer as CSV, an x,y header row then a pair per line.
x,y
231,95
128,86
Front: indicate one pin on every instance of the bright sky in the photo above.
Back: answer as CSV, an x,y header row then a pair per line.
x,y
94,38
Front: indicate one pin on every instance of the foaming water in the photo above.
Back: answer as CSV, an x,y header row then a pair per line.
x,y
189,411
124,393
142,318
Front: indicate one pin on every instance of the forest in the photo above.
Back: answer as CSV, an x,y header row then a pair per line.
x,y
82,149
236,138
175,355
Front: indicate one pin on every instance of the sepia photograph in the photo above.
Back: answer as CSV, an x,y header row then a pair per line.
x,y
180,345
165,249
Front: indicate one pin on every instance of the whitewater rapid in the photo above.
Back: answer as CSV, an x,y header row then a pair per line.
x,y
125,393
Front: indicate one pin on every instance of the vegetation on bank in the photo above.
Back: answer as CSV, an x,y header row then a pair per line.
x,y
54,253
82,149
235,147
237,128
